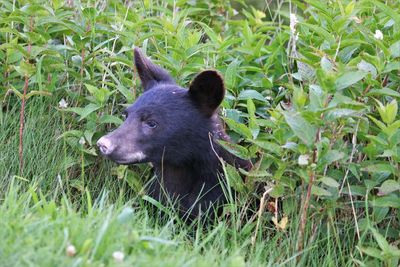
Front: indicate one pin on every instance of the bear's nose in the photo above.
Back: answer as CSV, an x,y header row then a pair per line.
x,y
105,145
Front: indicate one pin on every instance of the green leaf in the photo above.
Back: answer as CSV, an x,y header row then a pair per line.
x,y
332,156
386,201
395,49
319,191
125,216
269,146
234,178
384,91
391,110
349,78
235,149
251,94
110,119
373,252
326,64
388,113
240,128
382,243
338,113
253,126
321,31
317,97
277,191
84,112
388,10
300,127
231,74
388,187
367,67
379,168
329,182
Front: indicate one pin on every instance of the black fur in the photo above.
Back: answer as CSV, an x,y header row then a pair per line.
x,y
176,130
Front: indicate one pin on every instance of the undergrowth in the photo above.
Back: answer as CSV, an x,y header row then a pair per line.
x,y
312,100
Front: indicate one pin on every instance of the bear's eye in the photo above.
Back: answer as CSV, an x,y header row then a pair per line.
x,y
124,115
151,124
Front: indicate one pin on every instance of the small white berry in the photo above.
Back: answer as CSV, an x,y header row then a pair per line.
x,y
118,256
71,251
378,35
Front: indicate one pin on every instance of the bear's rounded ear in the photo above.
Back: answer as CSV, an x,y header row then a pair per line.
x,y
207,91
150,74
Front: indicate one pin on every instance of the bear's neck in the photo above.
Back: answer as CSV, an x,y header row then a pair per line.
x,y
196,181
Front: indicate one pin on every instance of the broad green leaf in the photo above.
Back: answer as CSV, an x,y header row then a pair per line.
x,y
317,97
373,252
251,94
231,74
320,31
388,187
338,113
326,64
269,146
235,180
332,156
367,67
391,66
384,91
235,149
387,10
125,216
253,126
379,167
240,128
395,49
300,127
277,191
386,201
329,182
110,119
84,112
319,191
382,243
349,78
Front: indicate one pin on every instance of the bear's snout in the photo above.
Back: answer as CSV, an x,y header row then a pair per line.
x,y
105,145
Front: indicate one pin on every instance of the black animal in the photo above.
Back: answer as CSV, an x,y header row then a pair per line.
x,y
176,130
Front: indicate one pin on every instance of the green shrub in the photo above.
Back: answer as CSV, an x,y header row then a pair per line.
x,y
312,97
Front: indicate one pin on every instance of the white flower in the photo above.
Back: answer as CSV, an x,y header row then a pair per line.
x,y
63,103
293,23
303,160
378,35
118,256
71,250
82,141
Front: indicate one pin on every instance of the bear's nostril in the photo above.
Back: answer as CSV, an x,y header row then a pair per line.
x,y
105,146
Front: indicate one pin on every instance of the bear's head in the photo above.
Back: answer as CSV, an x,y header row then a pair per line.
x,y
166,123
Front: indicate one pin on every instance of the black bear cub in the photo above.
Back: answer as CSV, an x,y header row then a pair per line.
x,y
176,130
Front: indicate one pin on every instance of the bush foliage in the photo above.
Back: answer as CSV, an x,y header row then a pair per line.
x,y
313,90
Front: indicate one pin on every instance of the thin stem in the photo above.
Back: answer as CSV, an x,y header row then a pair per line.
x,y
22,112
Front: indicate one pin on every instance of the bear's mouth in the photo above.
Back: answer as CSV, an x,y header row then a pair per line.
x,y
131,158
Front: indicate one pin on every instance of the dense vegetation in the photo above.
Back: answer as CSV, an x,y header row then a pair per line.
x,y
312,100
